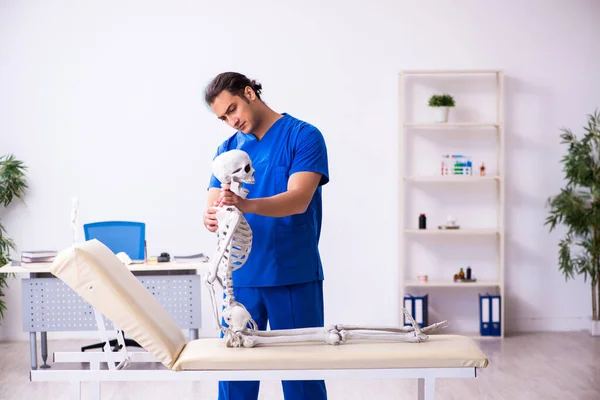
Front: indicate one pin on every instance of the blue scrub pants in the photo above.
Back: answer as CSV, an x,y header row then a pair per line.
x,y
284,307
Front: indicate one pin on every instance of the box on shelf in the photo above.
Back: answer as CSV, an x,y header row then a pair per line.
x,y
456,164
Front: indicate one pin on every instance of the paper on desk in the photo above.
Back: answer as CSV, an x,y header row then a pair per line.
x,y
124,258
200,257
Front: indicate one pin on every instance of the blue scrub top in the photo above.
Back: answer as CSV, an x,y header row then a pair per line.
x,y
284,249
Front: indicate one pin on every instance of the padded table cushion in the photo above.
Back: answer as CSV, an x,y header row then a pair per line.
x,y
96,274
440,351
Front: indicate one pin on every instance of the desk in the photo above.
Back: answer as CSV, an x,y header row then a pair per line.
x,y
49,305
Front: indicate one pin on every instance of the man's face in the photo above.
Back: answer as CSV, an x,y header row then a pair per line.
x,y
236,111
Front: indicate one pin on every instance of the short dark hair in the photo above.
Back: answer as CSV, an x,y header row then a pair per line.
x,y
233,82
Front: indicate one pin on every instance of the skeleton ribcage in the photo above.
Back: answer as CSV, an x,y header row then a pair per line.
x,y
239,248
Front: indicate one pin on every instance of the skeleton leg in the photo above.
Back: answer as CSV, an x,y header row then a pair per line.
x,y
428,329
339,334
331,336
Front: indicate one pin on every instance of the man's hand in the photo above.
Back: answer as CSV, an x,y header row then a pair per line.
x,y
210,218
228,198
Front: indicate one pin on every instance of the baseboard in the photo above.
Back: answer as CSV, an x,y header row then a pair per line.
x,y
548,324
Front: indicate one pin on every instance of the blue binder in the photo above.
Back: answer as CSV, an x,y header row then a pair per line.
x,y
490,307
417,307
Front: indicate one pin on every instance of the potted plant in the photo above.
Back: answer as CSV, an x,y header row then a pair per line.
x,y
440,104
577,207
12,185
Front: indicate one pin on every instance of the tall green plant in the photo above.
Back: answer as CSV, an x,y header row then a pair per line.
x,y
577,207
12,185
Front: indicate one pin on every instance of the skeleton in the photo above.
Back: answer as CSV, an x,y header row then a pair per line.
x,y
234,244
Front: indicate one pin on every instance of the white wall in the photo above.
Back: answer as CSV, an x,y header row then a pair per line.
x,y
104,101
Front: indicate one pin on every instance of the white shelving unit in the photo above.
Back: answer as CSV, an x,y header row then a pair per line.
x,y
445,290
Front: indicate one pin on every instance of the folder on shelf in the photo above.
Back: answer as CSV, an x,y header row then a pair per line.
x,y
489,315
417,307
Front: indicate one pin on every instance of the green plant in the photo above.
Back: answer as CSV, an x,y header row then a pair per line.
x,y
12,184
577,206
441,100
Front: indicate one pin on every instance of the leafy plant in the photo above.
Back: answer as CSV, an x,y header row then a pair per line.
x,y
441,100
577,206
12,185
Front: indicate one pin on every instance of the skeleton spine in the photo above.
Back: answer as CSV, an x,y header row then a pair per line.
x,y
228,283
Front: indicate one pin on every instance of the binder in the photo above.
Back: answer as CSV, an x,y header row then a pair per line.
x,y
490,315
417,307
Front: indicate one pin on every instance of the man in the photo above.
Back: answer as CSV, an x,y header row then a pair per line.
x,y
281,282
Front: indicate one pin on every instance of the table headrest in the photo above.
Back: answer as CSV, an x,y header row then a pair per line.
x,y
94,272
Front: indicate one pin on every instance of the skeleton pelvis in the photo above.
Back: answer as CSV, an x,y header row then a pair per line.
x,y
236,317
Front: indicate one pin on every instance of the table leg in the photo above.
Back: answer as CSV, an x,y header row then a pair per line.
x,y
33,349
193,334
95,389
75,390
44,341
426,388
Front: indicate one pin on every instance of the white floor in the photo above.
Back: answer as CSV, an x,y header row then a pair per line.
x,y
563,366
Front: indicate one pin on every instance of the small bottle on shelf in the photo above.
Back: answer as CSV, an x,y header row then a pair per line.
x,y
422,221
482,170
461,274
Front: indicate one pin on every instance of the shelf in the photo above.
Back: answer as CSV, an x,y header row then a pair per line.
x,y
451,179
450,125
458,232
448,284
413,124
450,71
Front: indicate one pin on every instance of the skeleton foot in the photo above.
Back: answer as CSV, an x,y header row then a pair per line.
x,y
438,326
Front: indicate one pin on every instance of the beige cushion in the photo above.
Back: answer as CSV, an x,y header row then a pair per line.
x,y
440,351
93,271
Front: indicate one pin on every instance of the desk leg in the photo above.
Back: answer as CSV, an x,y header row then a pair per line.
x,y
44,340
33,349
193,334
426,390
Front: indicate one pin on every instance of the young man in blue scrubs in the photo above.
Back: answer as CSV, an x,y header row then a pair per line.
x,y
281,282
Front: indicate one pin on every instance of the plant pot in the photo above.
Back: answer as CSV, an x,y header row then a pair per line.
x,y
595,328
440,114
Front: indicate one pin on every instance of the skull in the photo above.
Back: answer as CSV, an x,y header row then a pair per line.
x,y
233,166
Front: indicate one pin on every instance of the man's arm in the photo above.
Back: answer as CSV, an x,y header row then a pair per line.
x,y
301,188
300,191
210,219
213,195
308,170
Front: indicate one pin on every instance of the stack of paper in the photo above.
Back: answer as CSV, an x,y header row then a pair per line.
x,y
37,256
